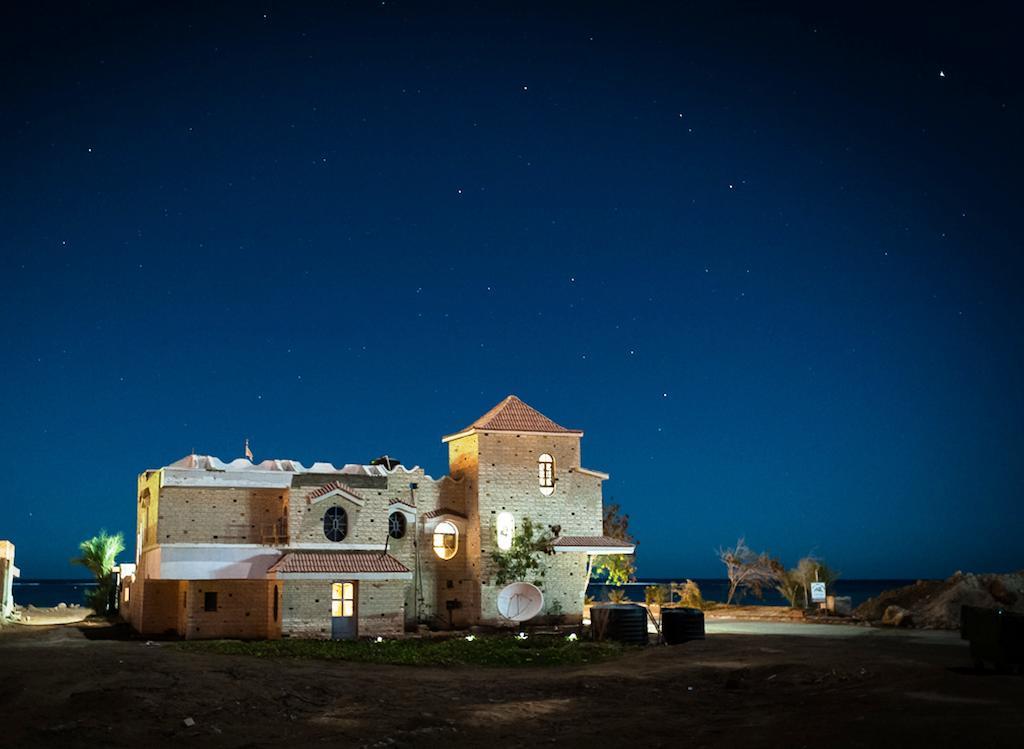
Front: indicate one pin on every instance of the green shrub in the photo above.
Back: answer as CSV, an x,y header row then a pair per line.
x,y
497,650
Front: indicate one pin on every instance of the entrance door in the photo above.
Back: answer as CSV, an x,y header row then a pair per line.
x,y
343,611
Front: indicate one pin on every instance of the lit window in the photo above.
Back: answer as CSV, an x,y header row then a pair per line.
x,y
343,599
396,525
546,474
506,530
446,540
335,524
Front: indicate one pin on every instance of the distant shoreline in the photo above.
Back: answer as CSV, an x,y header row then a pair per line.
x,y
44,592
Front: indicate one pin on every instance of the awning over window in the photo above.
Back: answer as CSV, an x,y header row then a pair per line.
x,y
592,545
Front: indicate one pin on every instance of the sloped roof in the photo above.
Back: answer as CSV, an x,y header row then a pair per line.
x,y
337,562
512,415
330,487
443,511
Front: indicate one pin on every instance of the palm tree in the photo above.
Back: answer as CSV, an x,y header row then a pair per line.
x,y
99,555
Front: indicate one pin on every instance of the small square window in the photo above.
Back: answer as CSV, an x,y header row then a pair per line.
x,y
210,601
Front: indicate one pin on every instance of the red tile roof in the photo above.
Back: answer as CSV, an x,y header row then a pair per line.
x,y
330,487
407,502
512,415
590,541
337,561
443,511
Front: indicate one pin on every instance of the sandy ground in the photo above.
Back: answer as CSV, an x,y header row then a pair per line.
x,y
37,617
82,685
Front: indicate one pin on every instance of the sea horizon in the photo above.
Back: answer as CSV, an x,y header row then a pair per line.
x,y
44,592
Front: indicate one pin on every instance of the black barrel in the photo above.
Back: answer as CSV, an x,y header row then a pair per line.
x,y
679,625
622,622
996,635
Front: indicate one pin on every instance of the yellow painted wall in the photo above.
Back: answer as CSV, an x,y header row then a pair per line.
x,y
148,507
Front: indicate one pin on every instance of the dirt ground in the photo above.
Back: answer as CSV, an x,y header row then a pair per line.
x,y
86,685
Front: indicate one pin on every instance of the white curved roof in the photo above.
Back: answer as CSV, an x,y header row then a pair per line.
x,y
213,463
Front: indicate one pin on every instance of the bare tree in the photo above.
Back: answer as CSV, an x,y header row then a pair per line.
x,y
811,569
748,569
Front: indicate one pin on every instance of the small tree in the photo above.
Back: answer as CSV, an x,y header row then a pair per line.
x,y
99,555
749,570
615,569
689,595
523,558
809,570
789,587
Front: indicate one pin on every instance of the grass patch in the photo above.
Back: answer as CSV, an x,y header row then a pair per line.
x,y
496,650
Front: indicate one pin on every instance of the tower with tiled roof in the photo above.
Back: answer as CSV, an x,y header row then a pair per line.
x,y
518,463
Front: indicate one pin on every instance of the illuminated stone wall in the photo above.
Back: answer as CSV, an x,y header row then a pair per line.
x,y
306,608
244,610
507,481
156,606
216,515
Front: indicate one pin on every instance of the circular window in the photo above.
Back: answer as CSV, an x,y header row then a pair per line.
x,y
446,540
335,524
396,524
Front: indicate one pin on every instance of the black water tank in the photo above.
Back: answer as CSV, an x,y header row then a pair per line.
x,y
622,622
679,625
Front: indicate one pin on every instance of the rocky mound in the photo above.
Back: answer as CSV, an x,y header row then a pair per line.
x,y
935,604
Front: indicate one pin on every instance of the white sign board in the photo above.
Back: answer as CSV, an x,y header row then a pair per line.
x,y
818,592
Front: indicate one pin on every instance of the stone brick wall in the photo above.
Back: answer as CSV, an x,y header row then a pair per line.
x,y
306,608
155,606
508,482
367,524
381,607
244,610
217,515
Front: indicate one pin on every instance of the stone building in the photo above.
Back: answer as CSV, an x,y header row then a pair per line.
x,y
278,549
8,572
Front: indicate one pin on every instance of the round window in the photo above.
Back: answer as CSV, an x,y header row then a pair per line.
x,y
335,524
396,524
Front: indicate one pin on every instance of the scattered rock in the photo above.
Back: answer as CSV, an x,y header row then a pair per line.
x,y
897,616
998,590
189,722
936,604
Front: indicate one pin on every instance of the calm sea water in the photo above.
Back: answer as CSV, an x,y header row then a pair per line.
x,y
52,592
716,589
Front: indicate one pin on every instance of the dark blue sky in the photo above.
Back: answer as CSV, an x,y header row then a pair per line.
x,y
769,260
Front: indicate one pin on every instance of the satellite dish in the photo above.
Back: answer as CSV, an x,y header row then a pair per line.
x,y
520,601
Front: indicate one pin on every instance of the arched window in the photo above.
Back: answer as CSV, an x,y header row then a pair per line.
x,y
446,540
335,524
506,528
396,524
546,474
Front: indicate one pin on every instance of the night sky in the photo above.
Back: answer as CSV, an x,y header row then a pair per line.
x,y
770,261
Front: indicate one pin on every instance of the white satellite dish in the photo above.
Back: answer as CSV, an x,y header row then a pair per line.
x,y
520,601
